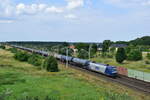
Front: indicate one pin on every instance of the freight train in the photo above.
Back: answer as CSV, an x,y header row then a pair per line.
x,y
89,65
86,64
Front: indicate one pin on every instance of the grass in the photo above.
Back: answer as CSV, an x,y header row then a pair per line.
x,y
137,65
19,79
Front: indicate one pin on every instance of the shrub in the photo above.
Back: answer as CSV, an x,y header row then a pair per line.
x,y
13,50
120,55
110,55
148,55
135,55
103,55
2,47
50,64
21,56
147,62
35,60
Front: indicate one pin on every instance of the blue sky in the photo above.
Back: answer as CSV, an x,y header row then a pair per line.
x,y
74,20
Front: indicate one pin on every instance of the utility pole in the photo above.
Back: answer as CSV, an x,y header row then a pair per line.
x,y
42,51
57,49
90,51
67,57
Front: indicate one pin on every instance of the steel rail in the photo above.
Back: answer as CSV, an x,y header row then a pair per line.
x,y
139,85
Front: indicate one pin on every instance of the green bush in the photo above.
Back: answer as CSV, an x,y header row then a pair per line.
x,y
50,64
103,54
120,55
2,47
135,55
148,55
110,55
35,60
13,50
147,62
21,56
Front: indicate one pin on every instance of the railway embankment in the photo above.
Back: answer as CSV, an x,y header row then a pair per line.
x,y
22,79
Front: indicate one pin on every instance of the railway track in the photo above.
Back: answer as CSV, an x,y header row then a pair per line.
x,y
135,84
126,81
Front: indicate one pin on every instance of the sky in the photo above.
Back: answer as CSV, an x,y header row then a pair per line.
x,y
74,20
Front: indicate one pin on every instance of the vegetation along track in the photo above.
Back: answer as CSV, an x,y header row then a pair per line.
x,y
135,84
129,82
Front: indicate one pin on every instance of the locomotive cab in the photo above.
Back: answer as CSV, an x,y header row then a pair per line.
x,y
111,71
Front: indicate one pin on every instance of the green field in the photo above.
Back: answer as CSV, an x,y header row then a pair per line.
x,y
137,65
19,80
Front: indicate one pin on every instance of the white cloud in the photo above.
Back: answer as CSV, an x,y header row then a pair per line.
x,y
54,9
42,7
7,8
72,4
20,8
70,16
36,8
6,21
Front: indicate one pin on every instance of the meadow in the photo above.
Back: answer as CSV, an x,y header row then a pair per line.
x,y
19,80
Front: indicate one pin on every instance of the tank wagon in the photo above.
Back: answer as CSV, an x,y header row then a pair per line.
x,y
57,56
97,67
80,62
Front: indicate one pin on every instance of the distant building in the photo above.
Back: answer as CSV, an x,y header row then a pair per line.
x,y
118,46
99,47
73,48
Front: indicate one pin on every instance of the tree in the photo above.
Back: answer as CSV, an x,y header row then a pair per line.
x,y
120,55
63,51
128,49
122,42
83,54
94,48
106,45
148,56
65,44
84,46
112,50
50,64
141,41
135,55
